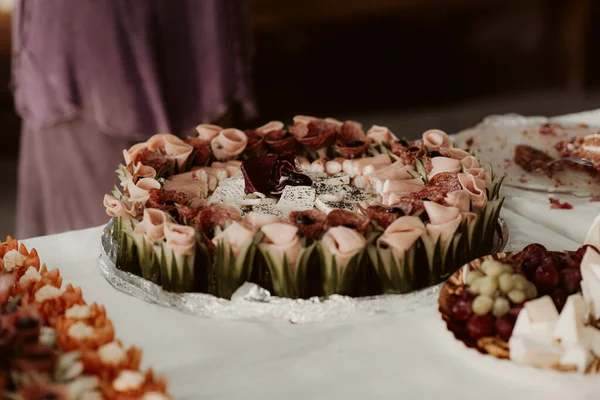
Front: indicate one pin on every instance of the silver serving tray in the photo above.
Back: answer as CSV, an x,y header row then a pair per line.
x,y
251,302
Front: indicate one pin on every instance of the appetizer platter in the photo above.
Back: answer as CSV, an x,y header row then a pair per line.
x,y
535,307
54,345
313,210
531,153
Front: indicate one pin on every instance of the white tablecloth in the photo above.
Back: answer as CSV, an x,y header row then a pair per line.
x,y
411,356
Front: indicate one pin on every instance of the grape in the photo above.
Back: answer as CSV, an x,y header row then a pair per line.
x,y
519,281
475,287
461,310
515,310
492,268
504,326
581,251
508,268
534,255
531,291
517,296
472,276
570,279
501,307
488,285
480,326
534,248
482,304
570,260
505,282
546,276
559,297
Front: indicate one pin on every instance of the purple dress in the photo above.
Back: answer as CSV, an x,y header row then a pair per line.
x,y
92,77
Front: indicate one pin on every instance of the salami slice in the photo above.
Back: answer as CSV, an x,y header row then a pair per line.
x,y
185,214
166,200
447,181
150,158
348,219
213,216
310,223
256,143
202,151
281,141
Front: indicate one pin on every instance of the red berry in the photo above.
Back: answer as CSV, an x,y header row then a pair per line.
x,y
570,279
505,325
515,310
534,248
461,310
571,260
559,297
581,251
480,326
546,276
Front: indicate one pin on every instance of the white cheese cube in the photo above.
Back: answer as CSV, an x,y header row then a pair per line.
x,y
269,209
539,331
526,350
338,179
229,191
328,206
542,310
592,339
296,198
569,327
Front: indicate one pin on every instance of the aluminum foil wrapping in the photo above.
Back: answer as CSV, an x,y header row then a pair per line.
x,y
251,302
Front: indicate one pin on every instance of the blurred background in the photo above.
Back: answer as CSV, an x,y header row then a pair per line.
x,y
408,64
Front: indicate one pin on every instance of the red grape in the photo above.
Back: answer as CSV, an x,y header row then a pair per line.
x,y
570,260
461,310
505,325
532,258
480,326
581,251
559,297
546,276
515,310
534,248
570,279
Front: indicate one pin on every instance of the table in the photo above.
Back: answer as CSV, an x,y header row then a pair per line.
x,y
411,356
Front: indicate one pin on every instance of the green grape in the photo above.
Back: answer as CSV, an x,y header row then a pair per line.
x,y
488,285
482,304
531,291
492,268
517,296
506,283
520,282
472,276
475,286
501,307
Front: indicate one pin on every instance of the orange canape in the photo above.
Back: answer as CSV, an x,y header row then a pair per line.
x,y
32,280
54,302
18,259
134,385
110,359
84,327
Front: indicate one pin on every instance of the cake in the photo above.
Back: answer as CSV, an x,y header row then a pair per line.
x,y
317,208
586,147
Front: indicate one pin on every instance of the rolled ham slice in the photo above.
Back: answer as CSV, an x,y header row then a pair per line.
x,y
130,155
303,163
334,166
380,134
470,162
174,148
342,243
281,240
139,192
272,126
180,238
121,208
258,220
435,138
476,188
451,152
402,187
479,173
208,132
318,165
443,221
235,236
153,223
334,122
356,167
402,234
395,171
229,143
232,169
460,199
444,164
198,173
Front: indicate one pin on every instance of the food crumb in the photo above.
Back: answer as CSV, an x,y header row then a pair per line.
x,y
595,200
523,180
556,204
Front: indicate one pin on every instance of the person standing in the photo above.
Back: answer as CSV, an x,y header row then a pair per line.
x,y
93,77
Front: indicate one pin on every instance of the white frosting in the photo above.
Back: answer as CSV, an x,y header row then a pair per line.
x,y
112,354
13,259
31,274
78,312
128,380
80,330
47,292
